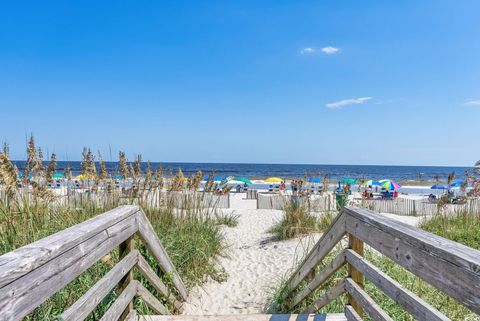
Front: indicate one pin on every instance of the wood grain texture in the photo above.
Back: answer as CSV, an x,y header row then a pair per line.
x,y
131,316
154,280
351,314
355,246
247,317
418,308
87,302
321,277
124,249
20,297
424,254
326,243
19,262
367,303
153,244
151,301
327,297
116,309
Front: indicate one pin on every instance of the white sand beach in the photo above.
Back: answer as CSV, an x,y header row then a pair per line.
x,y
256,263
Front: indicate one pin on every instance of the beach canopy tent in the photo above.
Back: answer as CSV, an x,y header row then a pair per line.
x,y
439,186
243,179
274,180
351,181
389,184
371,182
58,176
314,180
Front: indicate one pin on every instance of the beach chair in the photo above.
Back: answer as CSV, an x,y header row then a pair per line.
x,y
270,188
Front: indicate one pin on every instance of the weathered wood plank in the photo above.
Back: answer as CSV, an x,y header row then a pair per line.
x,y
326,243
20,297
367,303
351,314
154,280
87,303
246,317
327,297
418,308
153,244
317,281
121,303
356,246
21,261
151,301
131,316
424,254
124,249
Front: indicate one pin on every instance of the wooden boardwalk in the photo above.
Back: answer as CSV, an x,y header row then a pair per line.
x,y
35,272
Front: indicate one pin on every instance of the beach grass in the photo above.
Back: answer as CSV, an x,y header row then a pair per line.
x,y
296,221
461,227
191,237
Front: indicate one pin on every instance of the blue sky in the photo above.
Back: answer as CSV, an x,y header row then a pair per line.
x,y
319,82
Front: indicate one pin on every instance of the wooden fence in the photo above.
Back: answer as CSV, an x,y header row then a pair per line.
x,y
315,203
448,266
149,199
35,272
410,207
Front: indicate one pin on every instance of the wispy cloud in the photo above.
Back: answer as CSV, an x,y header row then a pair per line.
x,y
348,102
307,51
330,50
473,103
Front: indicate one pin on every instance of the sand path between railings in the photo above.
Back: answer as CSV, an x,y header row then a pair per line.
x,y
255,265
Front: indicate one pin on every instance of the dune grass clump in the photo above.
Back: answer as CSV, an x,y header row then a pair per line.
x,y
461,227
296,221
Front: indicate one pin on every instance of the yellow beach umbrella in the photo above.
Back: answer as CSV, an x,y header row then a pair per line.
x,y
83,177
274,180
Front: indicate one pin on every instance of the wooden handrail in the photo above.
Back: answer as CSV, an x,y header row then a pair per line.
x,y
426,255
33,273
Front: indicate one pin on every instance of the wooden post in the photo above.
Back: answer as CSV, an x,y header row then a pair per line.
x,y
357,246
123,250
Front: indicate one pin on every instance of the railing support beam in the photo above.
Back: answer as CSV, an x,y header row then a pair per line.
x,y
124,249
357,246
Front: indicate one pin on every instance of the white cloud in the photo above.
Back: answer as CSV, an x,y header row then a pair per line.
x,y
307,51
330,50
347,102
473,103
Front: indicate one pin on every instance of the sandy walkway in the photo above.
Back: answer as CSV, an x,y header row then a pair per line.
x,y
256,264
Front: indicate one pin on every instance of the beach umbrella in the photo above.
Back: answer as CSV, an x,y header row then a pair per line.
x,y
389,184
83,177
439,186
314,180
350,181
274,180
244,180
371,182
456,184
58,175
117,176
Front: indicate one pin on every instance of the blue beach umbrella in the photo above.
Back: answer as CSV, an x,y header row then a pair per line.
x,y
314,180
456,184
117,176
439,186
372,183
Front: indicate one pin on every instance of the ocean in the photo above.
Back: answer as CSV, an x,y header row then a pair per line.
x,y
257,171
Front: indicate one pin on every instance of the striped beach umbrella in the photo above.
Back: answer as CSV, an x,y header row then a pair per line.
x,y
389,184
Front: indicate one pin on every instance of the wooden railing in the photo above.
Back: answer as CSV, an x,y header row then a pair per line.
x,y
33,273
446,265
